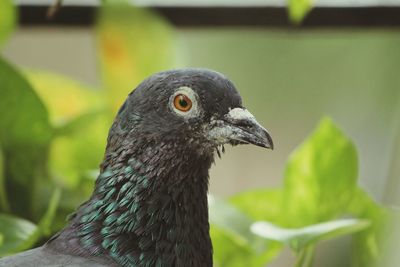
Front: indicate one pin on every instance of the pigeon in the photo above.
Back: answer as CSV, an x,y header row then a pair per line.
x,y
149,205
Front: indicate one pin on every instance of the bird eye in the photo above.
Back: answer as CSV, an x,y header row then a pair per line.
x,y
182,102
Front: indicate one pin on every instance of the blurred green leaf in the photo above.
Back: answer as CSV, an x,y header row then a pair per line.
x,y
65,98
77,124
8,19
298,9
300,238
260,204
71,199
237,245
320,185
320,177
15,232
21,234
81,120
73,156
44,226
230,219
25,133
367,247
133,43
24,117
229,253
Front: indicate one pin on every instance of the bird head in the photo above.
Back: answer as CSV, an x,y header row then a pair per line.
x,y
196,108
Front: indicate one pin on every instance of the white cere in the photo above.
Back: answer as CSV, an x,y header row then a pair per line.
x,y
238,114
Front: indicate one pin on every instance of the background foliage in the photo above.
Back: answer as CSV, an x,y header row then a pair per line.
x,y
49,156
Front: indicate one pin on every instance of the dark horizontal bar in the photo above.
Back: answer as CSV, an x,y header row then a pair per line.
x,y
65,16
227,16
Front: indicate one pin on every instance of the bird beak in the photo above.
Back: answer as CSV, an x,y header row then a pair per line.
x,y
239,126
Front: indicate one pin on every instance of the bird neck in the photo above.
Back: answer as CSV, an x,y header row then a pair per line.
x,y
150,206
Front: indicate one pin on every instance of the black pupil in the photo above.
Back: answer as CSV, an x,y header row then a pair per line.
x,y
183,102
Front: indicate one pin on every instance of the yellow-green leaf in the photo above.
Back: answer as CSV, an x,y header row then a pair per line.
x,y
320,177
234,244
81,120
15,231
299,238
25,133
20,234
367,245
260,204
8,19
65,98
298,9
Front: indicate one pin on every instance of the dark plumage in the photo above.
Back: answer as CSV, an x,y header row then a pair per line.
x,y
149,206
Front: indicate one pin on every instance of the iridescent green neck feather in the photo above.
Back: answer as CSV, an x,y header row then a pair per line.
x,y
147,209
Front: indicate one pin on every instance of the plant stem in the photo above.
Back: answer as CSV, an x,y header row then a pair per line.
x,y
4,206
306,257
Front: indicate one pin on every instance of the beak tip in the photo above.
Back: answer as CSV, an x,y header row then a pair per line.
x,y
267,140
270,143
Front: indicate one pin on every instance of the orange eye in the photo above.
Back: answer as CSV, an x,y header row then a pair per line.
x,y
182,102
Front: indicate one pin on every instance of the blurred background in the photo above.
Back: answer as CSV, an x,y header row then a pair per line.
x,y
294,63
